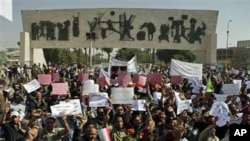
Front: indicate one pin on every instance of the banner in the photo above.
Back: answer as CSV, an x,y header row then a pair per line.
x,y
6,9
131,64
185,69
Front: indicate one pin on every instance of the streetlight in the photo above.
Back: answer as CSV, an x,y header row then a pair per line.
x,y
227,38
91,36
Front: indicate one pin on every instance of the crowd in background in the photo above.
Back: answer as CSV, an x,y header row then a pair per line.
x,y
159,122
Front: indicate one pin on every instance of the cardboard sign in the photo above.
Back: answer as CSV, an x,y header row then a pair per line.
x,y
122,95
44,79
103,81
155,78
55,77
83,77
176,79
32,86
59,88
140,79
123,79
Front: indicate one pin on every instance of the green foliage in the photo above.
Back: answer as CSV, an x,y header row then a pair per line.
x,y
125,54
59,56
182,55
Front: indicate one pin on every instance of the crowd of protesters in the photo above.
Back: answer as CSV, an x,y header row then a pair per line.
x,y
160,121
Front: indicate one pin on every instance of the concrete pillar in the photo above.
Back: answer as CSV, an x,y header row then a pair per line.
x,y
25,51
211,49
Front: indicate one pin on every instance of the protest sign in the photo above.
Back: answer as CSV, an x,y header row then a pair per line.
x,y
83,77
44,79
76,105
122,95
59,88
103,81
90,88
176,79
55,77
140,80
98,100
58,109
185,69
139,105
155,78
231,89
32,86
220,110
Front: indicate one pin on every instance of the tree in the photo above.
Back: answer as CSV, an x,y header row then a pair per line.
x,y
182,55
126,54
108,51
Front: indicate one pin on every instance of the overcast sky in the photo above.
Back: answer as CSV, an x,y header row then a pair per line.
x,y
236,10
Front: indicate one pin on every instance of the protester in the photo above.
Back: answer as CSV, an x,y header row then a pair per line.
x,y
159,116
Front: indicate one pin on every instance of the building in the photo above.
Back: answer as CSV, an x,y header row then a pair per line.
x,y
235,56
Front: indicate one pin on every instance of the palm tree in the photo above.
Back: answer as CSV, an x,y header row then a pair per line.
x,y
108,51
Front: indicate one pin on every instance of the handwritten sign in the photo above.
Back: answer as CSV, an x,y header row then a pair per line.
x,y
183,105
122,95
76,105
103,81
98,100
140,79
83,77
44,79
59,88
176,79
90,88
55,77
155,78
57,110
231,89
32,86
139,105
220,109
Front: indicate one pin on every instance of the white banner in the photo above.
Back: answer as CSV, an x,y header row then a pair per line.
x,y
98,100
185,69
32,86
122,95
131,64
6,9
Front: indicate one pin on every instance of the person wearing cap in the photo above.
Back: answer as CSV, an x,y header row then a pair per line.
x,y
50,132
13,129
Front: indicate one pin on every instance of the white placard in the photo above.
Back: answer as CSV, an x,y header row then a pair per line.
x,y
32,86
90,88
157,97
220,109
122,95
139,105
220,97
98,100
68,108
231,89
183,105
76,103
248,84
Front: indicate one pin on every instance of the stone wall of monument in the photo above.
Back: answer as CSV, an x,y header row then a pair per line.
x,y
122,28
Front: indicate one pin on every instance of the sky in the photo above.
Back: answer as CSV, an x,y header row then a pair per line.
x,y
238,11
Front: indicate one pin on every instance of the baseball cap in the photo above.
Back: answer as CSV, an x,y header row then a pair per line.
x,y
14,113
